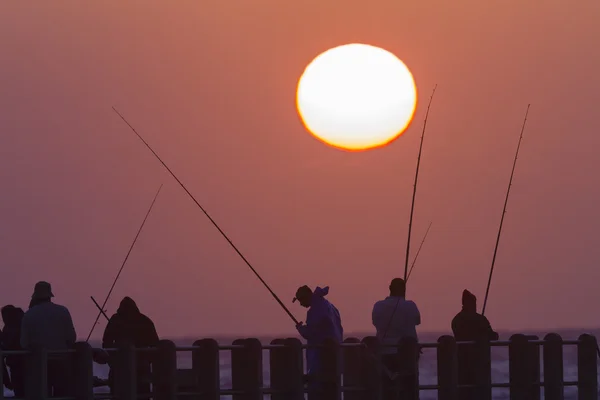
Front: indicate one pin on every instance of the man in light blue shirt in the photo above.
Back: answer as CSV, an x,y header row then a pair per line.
x,y
395,318
50,326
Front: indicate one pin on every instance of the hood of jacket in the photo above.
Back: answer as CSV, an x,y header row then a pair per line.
x,y
127,307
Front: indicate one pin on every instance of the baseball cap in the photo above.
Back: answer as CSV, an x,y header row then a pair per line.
x,y
302,290
42,290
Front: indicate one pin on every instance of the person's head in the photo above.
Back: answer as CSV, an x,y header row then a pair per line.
x,y
304,296
469,301
8,313
19,314
42,292
128,306
398,287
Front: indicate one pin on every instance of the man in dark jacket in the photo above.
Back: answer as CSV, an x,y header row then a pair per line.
x,y
470,326
11,341
130,326
322,322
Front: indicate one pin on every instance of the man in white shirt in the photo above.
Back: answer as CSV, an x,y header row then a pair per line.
x,y
49,325
395,318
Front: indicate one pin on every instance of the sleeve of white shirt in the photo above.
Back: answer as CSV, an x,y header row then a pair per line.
x,y
71,334
377,316
417,315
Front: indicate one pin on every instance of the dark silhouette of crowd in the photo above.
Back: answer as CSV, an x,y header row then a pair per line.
x,y
48,325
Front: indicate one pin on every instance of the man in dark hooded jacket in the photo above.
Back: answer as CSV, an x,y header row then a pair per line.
x,y
11,341
323,321
130,326
470,326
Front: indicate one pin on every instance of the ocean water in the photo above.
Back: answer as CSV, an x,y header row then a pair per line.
x,y
427,364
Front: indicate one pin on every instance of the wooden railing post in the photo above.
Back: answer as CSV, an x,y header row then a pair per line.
x,y
483,370
447,368
518,367
553,367
37,376
205,364
329,379
125,373
165,371
286,370
587,368
533,367
246,369
353,375
408,353
372,368
84,371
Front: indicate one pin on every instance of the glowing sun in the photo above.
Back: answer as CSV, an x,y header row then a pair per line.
x,y
356,97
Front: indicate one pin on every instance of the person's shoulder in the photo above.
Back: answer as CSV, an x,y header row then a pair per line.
x,y
381,302
412,304
60,308
482,318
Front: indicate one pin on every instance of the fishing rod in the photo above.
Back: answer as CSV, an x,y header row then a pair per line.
x,y
487,290
411,211
412,206
100,308
390,374
122,265
418,251
211,220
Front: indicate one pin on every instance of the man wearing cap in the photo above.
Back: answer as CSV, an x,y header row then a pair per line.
x,y
322,322
470,326
50,326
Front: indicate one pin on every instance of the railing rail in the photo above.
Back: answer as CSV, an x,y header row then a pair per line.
x,y
352,368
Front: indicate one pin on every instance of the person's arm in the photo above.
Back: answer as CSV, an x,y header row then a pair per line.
x,y
152,335
25,333
417,315
454,327
491,334
70,334
314,323
108,338
378,318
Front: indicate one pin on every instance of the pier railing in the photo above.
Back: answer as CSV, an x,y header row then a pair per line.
x,y
352,370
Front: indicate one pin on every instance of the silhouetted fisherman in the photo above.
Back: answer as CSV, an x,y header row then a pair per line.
x,y
470,326
323,322
11,341
395,318
130,326
50,326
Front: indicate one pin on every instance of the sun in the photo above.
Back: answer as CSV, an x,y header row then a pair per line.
x,y
356,97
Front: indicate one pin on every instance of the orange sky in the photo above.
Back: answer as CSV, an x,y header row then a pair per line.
x,y
211,86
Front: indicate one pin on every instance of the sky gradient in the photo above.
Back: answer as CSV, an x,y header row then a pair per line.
x,y
211,86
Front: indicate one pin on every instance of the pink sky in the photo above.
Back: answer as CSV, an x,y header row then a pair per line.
x,y
211,85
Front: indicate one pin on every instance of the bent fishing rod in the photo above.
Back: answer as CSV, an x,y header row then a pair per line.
x,y
211,220
122,265
418,251
487,290
412,207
